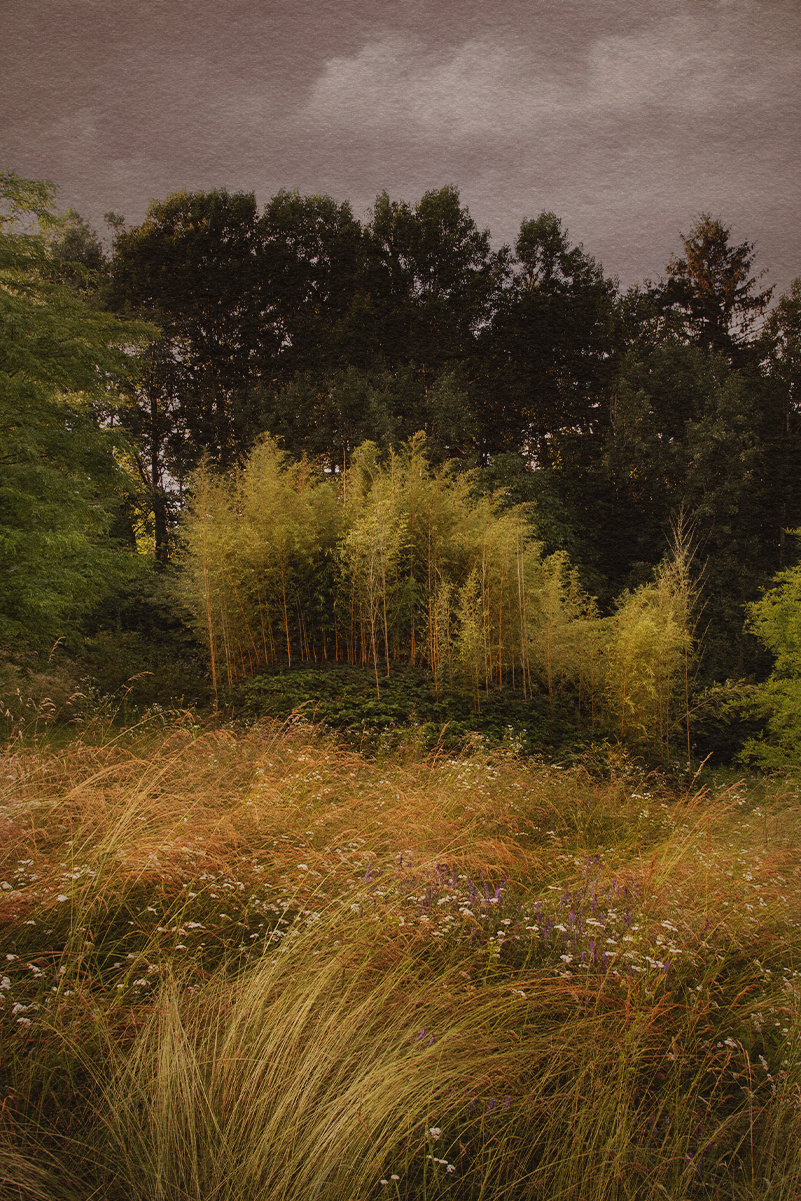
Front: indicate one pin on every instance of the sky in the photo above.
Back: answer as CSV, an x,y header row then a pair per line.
x,y
626,118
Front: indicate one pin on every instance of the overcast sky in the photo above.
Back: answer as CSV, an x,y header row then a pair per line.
x,y
627,118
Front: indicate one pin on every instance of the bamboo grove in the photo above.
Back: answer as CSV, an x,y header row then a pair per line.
x,y
394,563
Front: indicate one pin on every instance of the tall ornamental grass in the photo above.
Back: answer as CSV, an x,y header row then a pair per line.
x,y
239,965
395,563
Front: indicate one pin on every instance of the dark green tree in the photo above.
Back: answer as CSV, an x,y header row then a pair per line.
x,y
548,355
711,289
377,327
193,268
77,255
781,345
692,440
328,417
700,420
434,280
62,369
311,280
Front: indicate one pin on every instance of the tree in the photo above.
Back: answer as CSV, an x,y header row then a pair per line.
x,y
782,361
549,348
311,277
247,304
77,255
62,368
712,291
193,268
434,281
695,440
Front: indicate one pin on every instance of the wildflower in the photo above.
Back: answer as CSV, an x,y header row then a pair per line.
x,y
435,1132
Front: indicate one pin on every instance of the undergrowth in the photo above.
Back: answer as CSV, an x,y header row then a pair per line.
x,y
408,707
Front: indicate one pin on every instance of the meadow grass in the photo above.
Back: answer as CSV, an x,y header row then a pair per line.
x,y
242,964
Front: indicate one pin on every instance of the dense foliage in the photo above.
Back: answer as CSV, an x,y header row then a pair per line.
x,y
497,529
62,367
399,565
613,419
776,621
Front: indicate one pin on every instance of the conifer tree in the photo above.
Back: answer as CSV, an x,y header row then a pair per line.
x,y
712,289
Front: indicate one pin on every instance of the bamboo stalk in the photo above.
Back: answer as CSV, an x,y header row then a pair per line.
x,y
210,624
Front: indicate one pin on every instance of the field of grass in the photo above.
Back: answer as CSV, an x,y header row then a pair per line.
x,y
248,964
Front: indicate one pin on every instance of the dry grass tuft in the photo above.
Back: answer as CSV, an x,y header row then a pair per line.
x,y
249,964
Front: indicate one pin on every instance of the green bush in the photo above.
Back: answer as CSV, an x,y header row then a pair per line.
x,y
776,621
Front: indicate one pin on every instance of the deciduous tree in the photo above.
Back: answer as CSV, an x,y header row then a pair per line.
x,y
62,368
435,280
549,349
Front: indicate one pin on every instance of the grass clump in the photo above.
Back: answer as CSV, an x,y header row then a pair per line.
x,y
248,964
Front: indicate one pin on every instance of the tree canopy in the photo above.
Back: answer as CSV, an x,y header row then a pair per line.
x,y
62,365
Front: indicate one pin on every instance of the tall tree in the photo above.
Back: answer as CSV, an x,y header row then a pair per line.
x,y
694,439
311,279
193,268
77,255
435,280
62,368
781,342
377,326
712,290
549,349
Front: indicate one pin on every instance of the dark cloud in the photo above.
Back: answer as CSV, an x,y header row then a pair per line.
x,y
625,118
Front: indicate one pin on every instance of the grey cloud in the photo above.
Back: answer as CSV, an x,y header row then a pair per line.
x,y
626,117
